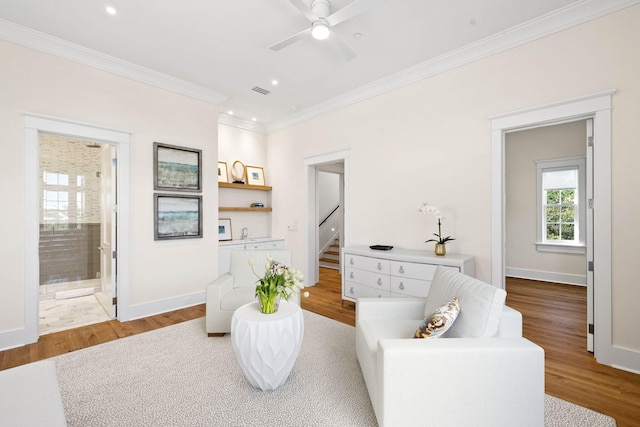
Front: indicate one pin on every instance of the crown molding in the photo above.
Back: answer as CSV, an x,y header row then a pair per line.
x,y
559,20
55,46
226,119
545,25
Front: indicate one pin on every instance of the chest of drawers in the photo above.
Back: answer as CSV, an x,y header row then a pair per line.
x,y
395,273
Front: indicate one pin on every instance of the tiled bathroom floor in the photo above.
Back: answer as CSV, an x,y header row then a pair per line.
x,y
48,291
57,315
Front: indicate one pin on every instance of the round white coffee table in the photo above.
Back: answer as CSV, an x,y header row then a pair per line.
x,y
267,345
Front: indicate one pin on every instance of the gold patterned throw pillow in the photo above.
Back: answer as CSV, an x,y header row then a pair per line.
x,y
438,322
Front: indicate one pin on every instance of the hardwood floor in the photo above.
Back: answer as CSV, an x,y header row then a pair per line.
x,y
75,339
554,318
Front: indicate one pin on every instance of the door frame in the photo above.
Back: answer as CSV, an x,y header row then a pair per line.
x,y
33,125
598,107
311,210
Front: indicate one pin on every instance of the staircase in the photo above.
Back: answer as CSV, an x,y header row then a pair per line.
x,y
331,257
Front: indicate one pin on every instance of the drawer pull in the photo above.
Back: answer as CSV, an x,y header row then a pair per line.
x,y
379,281
401,286
351,275
351,290
379,266
351,261
401,270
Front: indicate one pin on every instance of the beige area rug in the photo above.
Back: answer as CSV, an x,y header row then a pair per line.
x,y
177,376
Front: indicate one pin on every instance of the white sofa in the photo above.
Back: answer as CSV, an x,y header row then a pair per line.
x,y
30,396
482,372
238,287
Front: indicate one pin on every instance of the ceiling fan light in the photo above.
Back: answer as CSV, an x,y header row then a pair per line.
x,y
320,31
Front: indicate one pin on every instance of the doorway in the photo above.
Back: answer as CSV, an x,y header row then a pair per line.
x,y
547,221
337,162
330,189
120,141
77,187
597,107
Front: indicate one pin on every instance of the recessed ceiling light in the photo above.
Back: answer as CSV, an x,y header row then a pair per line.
x,y
357,36
274,82
111,10
253,119
230,112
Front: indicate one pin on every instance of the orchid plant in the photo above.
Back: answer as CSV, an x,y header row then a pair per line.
x,y
278,280
427,209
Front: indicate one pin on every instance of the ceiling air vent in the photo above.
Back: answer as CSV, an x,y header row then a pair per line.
x,y
261,90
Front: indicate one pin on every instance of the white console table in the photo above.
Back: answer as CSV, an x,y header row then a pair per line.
x,y
225,248
395,273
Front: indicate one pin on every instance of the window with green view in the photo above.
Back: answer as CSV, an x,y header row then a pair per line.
x,y
561,203
560,214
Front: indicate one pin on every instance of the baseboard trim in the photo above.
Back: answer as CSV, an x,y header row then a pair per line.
x,y
625,359
546,276
15,338
138,311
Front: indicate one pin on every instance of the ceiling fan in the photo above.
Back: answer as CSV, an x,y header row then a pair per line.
x,y
322,20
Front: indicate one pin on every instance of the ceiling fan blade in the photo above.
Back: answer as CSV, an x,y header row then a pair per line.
x,y
304,9
358,7
344,50
290,40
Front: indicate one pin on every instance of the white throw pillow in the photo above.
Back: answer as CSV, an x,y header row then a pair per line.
x,y
439,322
483,303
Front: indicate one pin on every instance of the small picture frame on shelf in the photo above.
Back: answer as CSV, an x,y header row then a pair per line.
x,y
255,175
224,229
223,173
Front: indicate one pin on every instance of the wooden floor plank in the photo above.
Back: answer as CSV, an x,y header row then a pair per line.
x,y
554,317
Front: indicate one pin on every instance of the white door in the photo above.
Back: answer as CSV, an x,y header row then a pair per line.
x,y
589,237
108,245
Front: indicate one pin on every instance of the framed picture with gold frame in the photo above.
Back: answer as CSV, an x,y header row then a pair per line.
x,y
223,172
255,175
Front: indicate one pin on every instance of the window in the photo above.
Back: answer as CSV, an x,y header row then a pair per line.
x,y
561,205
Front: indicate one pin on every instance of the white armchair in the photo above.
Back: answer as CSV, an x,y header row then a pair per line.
x,y
493,377
238,287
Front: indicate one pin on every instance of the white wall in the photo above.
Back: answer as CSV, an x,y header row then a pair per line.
x,y
522,149
328,193
250,148
431,141
164,273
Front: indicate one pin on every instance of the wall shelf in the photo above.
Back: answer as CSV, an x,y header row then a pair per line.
x,y
244,186
239,209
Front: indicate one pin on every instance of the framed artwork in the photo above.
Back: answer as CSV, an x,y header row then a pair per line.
x,y
177,216
176,168
255,175
223,173
224,229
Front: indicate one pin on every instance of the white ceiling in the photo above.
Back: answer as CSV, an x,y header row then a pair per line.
x,y
221,48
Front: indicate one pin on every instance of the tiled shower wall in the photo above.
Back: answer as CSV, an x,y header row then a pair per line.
x,y
69,210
